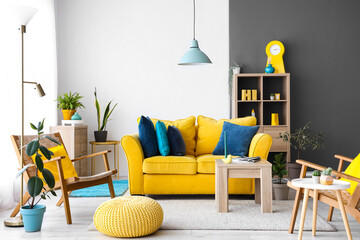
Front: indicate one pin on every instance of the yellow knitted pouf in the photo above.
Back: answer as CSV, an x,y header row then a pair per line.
x,y
128,217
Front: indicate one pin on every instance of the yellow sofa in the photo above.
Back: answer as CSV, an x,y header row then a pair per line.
x,y
190,174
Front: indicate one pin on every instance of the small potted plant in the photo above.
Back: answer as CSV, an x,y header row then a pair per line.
x,y
326,178
302,139
33,213
68,103
316,176
281,190
101,134
236,68
272,96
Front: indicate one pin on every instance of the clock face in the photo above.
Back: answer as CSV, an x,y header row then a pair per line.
x,y
275,49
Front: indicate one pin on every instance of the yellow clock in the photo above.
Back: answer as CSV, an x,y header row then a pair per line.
x,y
275,51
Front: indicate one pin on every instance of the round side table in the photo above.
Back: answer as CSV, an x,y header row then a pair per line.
x,y
116,144
307,183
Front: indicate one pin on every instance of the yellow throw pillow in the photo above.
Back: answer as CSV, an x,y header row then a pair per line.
x,y
353,170
187,129
67,165
209,131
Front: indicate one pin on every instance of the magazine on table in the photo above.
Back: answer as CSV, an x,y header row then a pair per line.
x,y
246,159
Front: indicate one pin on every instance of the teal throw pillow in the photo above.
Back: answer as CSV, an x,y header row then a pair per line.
x,y
238,139
162,139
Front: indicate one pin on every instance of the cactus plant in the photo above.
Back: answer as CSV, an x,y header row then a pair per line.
x,y
316,173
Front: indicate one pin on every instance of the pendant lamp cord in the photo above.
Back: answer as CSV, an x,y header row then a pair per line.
x,y
194,19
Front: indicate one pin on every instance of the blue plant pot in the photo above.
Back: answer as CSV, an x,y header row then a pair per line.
x,y
269,69
33,218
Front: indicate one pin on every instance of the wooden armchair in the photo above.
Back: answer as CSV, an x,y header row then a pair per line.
x,y
66,185
351,202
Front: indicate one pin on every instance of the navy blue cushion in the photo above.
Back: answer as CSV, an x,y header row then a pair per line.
x,y
162,139
147,137
238,139
176,141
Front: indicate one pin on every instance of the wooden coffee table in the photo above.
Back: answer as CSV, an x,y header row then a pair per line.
x,y
260,170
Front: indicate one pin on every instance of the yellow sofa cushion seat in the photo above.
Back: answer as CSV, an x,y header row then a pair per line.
x,y
170,165
206,163
209,131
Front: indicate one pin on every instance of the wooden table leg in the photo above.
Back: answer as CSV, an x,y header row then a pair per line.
x,y
257,191
315,205
118,159
115,160
343,214
92,160
221,195
303,213
295,210
266,190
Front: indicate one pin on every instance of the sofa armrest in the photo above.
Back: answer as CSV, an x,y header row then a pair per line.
x,y
260,145
135,157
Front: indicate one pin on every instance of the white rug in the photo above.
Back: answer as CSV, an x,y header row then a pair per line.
x,y
196,214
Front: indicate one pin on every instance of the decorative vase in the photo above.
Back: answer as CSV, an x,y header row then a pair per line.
x,y
272,97
100,136
326,180
281,191
67,114
269,69
33,218
316,179
294,170
274,119
76,116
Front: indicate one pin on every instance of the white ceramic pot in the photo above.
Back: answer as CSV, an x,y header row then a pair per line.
x,y
272,97
236,70
316,179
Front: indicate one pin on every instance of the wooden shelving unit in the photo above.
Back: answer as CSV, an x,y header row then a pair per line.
x,y
263,107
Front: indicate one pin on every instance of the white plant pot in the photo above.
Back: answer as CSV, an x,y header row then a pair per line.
x,y
316,179
236,70
272,97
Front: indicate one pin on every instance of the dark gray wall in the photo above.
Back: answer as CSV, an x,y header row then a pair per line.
x,y
322,53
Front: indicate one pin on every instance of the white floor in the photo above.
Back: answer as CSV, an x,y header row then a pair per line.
x,y
82,209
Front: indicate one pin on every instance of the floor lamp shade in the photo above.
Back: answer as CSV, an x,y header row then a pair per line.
x,y
25,14
194,56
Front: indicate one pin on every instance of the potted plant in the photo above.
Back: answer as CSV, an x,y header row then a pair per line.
x,y
326,178
33,212
101,134
281,190
316,176
272,96
68,103
302,139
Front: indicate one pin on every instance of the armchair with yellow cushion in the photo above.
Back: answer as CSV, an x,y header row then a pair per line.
x,y
193,173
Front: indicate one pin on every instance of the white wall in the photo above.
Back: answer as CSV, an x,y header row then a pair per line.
x,y
129,51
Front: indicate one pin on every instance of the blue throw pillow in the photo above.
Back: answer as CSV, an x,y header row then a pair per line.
x,y
238,139
176,141
147,137
162,139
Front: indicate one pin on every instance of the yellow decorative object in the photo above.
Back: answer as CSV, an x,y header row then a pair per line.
x,y
67,114
248,95
277,96
275,51
228,159
353,170
274,119
67,165
254,94
187,129
209,131
128,217
243,94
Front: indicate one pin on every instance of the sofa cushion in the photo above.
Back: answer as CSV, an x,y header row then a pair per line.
x,y
170,165
206,163
147,137
353,170
238,139
209,131
187,129
162,139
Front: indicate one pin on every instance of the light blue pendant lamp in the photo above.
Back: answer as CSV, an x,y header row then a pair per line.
x,y
194,56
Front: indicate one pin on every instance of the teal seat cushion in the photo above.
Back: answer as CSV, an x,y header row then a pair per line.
x,y
238,139
162,139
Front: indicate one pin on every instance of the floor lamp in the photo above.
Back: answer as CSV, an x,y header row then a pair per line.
x,y
25,14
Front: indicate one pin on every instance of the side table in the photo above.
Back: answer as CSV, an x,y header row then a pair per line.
x,y
116,145
260,170
307,183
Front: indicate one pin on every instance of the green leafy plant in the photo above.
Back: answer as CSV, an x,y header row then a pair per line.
x,y
327,172
107,113
316,173
272,94
69,101
302,139
35,184
279,166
